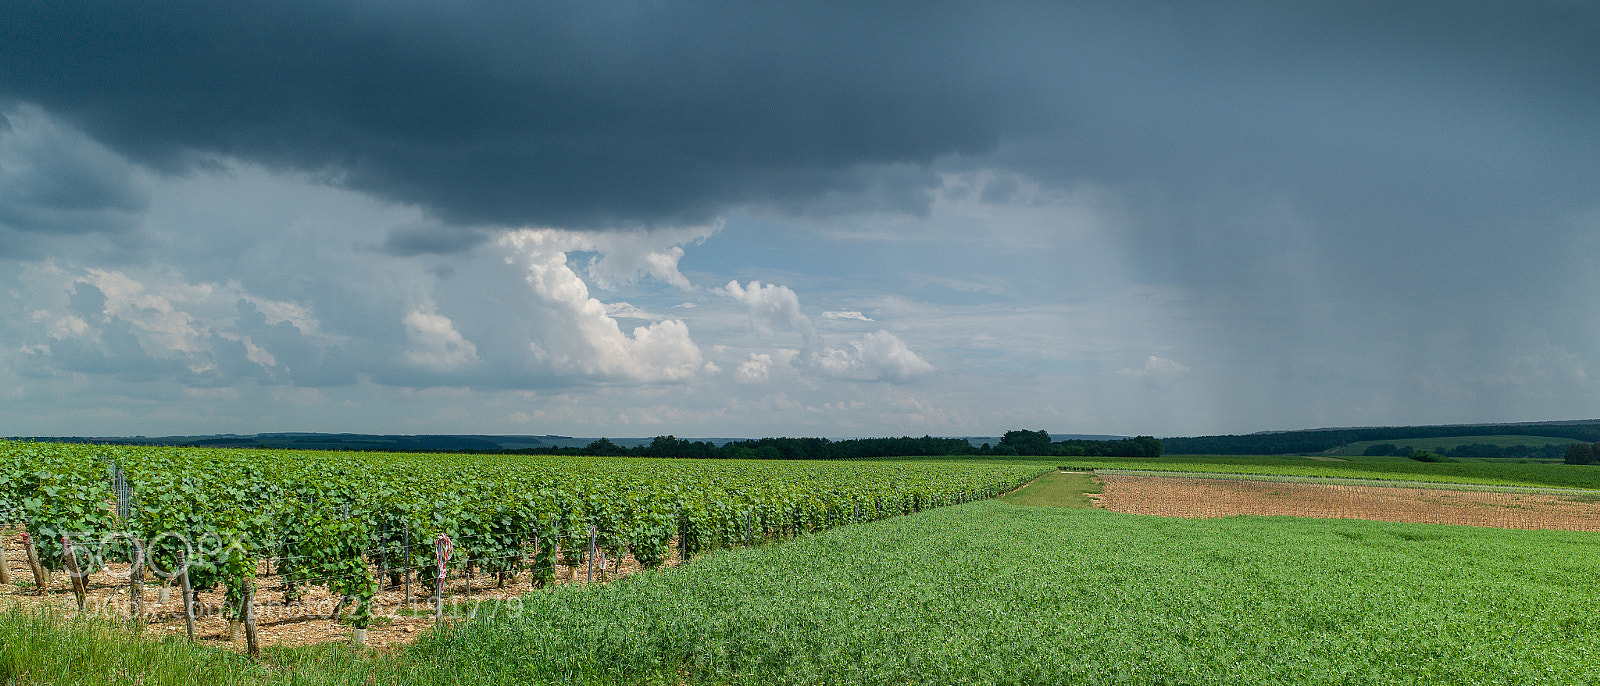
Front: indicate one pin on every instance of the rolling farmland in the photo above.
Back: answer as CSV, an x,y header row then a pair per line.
x,y
994,593
837,572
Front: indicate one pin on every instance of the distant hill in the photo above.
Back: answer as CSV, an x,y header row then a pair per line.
x,y
1264,443
426,443
1320,440
344,441
374,442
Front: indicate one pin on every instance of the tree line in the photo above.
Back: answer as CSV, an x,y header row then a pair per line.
x,y
1552,451
1318,440
1024,442
1019,442
1583,453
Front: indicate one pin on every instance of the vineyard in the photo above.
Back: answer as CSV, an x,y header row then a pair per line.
x,y
192,522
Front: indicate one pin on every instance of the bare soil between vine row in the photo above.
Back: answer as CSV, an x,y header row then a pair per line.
x,y
1201,497
303,622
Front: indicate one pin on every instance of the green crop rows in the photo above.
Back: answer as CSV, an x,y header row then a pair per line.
x,y
333,518
993,593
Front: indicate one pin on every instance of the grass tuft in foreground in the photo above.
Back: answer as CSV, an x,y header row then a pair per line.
x,y
45,647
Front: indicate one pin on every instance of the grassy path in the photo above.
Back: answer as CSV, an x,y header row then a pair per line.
x,y
1056,489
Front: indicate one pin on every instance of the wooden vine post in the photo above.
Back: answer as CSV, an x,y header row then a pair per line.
x,y
683,542
441,555
592,537
69,559
5,569
406,568
41,580
247,598
383,560
188,594
136,583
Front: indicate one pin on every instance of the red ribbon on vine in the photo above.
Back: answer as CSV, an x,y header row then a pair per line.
x,y
442,547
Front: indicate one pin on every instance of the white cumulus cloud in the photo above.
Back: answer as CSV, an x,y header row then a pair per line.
x,y
627,310
757,369
582,337
150,323
162,327
877,356
622,257
435,343
846,314
772,308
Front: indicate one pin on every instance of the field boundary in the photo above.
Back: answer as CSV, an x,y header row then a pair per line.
x,y
1349,481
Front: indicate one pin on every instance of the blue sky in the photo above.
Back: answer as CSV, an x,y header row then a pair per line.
x,y
796,219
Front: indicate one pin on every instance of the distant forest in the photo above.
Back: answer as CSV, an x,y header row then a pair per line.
x,y
1553,451
1316,441
1021,442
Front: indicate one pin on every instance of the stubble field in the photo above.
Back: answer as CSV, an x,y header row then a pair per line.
x,y
1214,497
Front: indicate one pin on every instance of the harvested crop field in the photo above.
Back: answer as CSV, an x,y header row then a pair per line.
x,y
1203,497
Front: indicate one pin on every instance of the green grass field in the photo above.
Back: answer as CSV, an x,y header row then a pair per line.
x,y
993,593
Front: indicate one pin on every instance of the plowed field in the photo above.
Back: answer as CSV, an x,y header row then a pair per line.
x,y
1200,497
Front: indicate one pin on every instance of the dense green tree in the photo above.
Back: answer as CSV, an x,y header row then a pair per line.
x,y
1026,442
604,447
1583,453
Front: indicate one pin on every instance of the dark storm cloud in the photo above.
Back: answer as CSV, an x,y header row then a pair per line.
x,y
587,114
55,181
576,114
430,240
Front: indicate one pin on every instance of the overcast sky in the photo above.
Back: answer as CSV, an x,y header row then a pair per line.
x,y
836,219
